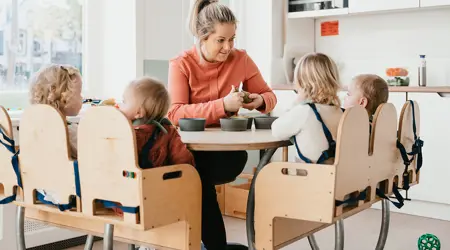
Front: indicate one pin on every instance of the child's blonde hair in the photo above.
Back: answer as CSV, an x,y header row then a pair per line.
x,y
53,85
374,88
152,96
317,75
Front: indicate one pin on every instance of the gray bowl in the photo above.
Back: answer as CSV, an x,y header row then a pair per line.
x,y
234,124
250,122
264,122
192,124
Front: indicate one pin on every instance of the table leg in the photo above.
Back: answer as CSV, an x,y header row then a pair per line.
x,y
89,242
251,199
20,232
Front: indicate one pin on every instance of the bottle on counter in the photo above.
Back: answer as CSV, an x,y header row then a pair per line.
x,y
422,72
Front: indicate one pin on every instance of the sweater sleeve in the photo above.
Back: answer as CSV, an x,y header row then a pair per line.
x,y
179,91
178,152
291,123
254,83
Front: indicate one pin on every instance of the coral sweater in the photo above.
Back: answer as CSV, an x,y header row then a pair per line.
x,y
197,89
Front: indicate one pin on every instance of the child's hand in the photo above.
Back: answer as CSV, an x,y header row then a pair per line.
x,y
257,102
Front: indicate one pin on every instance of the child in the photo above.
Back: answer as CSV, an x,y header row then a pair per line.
x,y
146,103
313,121
368,91
59,86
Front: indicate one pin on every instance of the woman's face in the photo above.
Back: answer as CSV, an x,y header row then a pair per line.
x,y
217,47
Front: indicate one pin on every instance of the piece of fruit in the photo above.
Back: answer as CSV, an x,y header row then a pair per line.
x,y
247,99
108,102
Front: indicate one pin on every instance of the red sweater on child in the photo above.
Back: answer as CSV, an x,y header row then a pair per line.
x,y
168,149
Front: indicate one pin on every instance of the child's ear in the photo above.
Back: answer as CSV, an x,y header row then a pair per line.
x,y
363,102
139,114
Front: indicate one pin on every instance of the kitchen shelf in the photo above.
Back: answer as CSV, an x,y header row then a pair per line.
x,y
318,13
406,89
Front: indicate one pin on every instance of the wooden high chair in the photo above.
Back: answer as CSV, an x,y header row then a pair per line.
x,y
10,181
162,205
289,207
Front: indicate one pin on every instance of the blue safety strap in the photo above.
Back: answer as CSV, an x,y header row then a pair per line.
x,y
144,161
62,207
416,149
363,195
330,152
11,147
400,200
72,204
110,204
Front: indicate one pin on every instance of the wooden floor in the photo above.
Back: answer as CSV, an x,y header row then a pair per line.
x,y
361,232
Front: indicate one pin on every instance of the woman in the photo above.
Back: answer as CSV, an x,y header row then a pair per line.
x,y
202,84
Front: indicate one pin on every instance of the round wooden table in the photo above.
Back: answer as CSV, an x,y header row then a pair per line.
x,y
217,140
214,139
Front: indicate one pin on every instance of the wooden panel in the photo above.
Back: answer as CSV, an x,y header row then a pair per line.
x,y
352,153
8,178
406,136
44,155
174,236
383,143
106,149
236,200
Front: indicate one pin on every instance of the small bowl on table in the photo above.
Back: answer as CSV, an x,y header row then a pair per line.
x,y
234,124
192,124
264,122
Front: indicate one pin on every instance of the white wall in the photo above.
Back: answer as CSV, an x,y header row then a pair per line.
x,y
372,43
114,45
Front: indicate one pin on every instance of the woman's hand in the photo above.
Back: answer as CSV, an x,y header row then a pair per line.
x,y
233,101
257,102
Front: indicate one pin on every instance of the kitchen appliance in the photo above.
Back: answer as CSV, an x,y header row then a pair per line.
x,y
310,5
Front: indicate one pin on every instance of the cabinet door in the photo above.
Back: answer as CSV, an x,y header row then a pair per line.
x,y
430,3
358,6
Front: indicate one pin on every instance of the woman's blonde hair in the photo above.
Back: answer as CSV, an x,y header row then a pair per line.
x,y
374,88
318,76
152,96
53,85
205,14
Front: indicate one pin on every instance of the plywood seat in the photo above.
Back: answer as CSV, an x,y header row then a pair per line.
x,y
294,200
162,206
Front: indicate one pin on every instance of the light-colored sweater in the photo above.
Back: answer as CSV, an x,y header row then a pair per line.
x,y
301,122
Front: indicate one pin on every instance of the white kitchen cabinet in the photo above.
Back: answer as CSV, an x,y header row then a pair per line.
x,y
359,6
431,3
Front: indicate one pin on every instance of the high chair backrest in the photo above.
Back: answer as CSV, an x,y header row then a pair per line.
x,y
107,154
384,154
8,178
407,137
351,151
44,155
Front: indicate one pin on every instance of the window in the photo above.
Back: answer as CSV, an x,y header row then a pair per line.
x,y
34,33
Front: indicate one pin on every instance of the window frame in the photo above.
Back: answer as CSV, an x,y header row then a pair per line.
x,y
21,96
